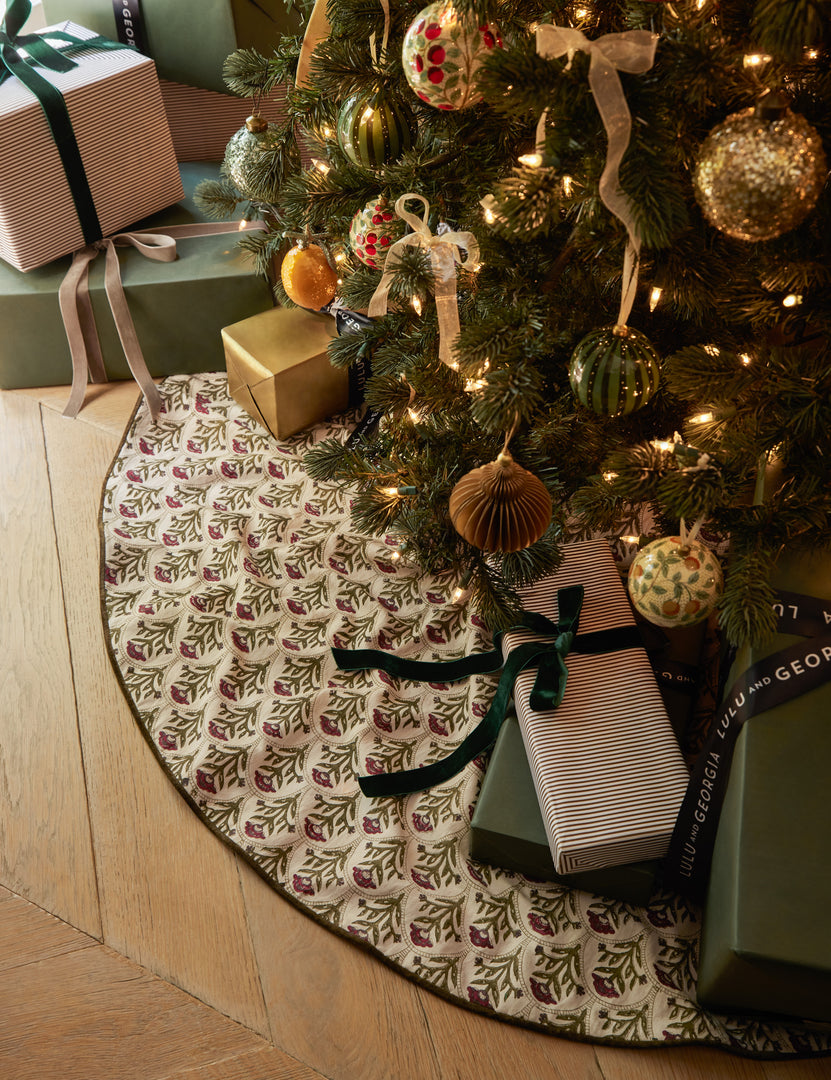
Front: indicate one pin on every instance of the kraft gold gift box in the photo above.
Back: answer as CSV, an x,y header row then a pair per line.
x,y
279,370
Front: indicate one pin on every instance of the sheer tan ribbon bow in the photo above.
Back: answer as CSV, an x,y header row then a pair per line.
x,y
633,52
444,254
78,317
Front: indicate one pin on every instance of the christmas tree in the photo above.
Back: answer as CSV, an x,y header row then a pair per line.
x,y
634,208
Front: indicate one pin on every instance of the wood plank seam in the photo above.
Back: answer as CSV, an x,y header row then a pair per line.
x,y
60,559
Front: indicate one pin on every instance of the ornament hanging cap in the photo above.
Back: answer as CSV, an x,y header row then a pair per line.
x,y
256,123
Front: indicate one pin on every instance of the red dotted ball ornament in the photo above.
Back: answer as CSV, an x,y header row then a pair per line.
x,y
442,53
373,232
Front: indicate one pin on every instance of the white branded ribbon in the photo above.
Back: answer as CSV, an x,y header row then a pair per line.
x,y
444,254
633,52
78,317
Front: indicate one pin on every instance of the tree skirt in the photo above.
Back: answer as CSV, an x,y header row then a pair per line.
x,y
227,576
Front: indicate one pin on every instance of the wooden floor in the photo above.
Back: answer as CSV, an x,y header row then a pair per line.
x,y
133,943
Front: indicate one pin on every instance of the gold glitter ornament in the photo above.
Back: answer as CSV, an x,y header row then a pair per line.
x,y
245,147
500,506
760,172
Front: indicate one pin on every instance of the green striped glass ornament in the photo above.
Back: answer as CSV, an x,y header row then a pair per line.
x,y
375,129
614,370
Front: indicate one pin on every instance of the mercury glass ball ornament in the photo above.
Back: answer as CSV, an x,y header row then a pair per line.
x,y
675,583
760,172
442,53
244,148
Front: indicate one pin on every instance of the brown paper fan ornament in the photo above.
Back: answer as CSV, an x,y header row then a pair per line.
x,y
500,506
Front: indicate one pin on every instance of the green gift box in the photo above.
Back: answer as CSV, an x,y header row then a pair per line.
x,y
188,39
765,945
507,829
179,307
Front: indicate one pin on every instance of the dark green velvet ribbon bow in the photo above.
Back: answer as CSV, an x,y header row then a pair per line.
x,y
548,656
21,65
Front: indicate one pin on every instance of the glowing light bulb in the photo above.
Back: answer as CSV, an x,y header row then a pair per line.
x,y
661,444
567,186
390,491
416,301
655,296
531,161
490,216
752,60
242,224
341,255
745,358
630,539
702,418
457,595
812,54
472,385
327,132
712,350
791,300
609,476
414,415
395,555
321,166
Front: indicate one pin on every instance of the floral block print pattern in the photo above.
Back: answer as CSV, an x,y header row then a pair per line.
x,y
228,574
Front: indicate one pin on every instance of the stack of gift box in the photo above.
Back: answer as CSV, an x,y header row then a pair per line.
x,y
588,795
138,131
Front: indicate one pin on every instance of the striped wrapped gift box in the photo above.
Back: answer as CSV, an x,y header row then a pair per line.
x,y
203,121
118,118
606,765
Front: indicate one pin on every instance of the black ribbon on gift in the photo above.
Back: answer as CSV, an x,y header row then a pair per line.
x,y
778,678
547,655
20,55
129,25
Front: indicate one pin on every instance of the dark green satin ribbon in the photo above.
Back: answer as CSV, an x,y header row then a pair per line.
x,y
549,687
20,65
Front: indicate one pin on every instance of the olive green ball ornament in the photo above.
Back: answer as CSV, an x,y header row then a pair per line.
x,y
244,149
614,370
759,173
375,129
675,583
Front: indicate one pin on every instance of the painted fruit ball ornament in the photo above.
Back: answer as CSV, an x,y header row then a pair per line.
x,y
442,52
243,151
373,232
307,277
375,129
614,370
760,173
675,583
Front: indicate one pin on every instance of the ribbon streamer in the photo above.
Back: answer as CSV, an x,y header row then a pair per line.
x,y
444,254
633,52
78,317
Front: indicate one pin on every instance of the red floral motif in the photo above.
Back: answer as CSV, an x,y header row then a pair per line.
x,y
480,938
263,782
541,992
205,782
363,878
478,997
604,986
256,832
302,885
599,923
419,938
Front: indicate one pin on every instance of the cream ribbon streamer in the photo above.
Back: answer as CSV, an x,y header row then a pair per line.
x,y
633,52
444,254
78,317
317,30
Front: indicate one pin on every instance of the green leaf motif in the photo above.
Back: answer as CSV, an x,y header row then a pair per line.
x,y
559,969
381,918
